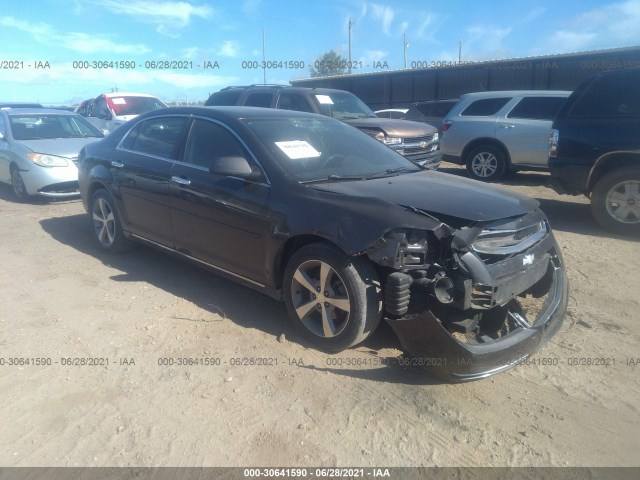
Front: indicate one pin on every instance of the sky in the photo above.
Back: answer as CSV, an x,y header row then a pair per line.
x,y
64,51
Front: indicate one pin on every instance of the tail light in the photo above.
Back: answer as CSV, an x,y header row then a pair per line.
x,y
553,143
446,125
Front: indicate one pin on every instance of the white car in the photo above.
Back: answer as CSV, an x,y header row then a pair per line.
x,y
110,110
39,150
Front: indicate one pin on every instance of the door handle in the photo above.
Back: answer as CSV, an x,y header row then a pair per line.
x,y
508,126
117,164
180,180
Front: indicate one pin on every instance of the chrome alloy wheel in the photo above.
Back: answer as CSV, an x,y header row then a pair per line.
x,y
104,222
484,164
320,298
623,202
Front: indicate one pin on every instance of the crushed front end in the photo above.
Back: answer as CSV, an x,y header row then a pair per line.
x,y
471,302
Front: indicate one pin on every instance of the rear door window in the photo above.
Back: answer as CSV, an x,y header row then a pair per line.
x,y
485,107
294,101
612,96
259,100
159,137
537,108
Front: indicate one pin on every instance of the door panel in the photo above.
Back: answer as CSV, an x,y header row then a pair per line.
x,y
143,171
220,220
527,140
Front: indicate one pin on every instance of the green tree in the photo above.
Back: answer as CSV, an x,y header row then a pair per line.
x,y
329,64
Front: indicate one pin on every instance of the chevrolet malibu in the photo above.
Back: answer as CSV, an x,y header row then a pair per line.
x,y
39,150
344,230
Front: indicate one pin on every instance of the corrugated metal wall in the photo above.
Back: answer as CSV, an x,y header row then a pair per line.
x,y
553,72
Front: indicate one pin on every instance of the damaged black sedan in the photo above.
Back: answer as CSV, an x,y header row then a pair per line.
x,y
337,225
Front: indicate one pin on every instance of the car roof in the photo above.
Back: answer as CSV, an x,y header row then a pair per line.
x,y
126,94
515,93
284,87
234,111
8,105
38,111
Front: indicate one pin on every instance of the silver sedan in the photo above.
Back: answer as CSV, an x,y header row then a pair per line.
x,y
39,150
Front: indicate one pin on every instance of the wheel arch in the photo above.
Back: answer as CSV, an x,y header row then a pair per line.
x,y
292,245
609,162
472,145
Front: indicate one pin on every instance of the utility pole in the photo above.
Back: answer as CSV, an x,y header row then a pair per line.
x,y
264,61
351,22
405,45
460,50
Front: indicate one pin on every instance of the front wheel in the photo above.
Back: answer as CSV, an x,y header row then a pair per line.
x,y
486,163
19,189
333,299
615,201
106,223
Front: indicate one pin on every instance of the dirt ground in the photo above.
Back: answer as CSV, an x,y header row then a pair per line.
x,y
63,301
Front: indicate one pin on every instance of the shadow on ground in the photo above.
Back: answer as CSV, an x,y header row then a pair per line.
x,y
216,294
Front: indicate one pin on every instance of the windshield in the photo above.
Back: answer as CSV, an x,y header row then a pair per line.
x,y
313,149
35,127
343,106
134,105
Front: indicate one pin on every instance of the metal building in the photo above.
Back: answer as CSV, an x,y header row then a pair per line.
x,y
399,88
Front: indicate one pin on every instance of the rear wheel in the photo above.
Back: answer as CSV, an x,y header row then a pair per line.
x,y
332,299
615,201
106,223
486,163
19,190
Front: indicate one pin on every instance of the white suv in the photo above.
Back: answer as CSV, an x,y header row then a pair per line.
x,y
110,110
495,132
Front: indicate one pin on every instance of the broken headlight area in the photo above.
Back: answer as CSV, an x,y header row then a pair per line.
x,y
488,300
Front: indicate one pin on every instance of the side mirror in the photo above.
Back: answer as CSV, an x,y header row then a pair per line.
x,y
231,167
1,136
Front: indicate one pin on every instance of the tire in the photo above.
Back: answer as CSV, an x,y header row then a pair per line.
x,y
17,184
344,314
106,224
615,201
486,163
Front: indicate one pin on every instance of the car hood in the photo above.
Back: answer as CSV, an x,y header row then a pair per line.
x,y
394,128
440,195
62,147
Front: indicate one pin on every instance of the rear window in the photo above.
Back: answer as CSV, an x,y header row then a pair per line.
x,y
227,98
610,96
537,108
259,100
127,105
485,107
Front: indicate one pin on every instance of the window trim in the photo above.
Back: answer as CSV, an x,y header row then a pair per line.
x,y
266,182
150,155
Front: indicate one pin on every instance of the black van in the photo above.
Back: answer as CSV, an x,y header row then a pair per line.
x,y
594,148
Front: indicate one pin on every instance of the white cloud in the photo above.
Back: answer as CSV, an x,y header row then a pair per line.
x,y
109,77
251,7
609,26
166,15
385,14
75,41
485,42
229,48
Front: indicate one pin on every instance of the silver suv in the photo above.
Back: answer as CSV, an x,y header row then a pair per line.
x,y
495,132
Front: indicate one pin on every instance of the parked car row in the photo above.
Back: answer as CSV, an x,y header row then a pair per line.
x,y
589,140
333,222
416,141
